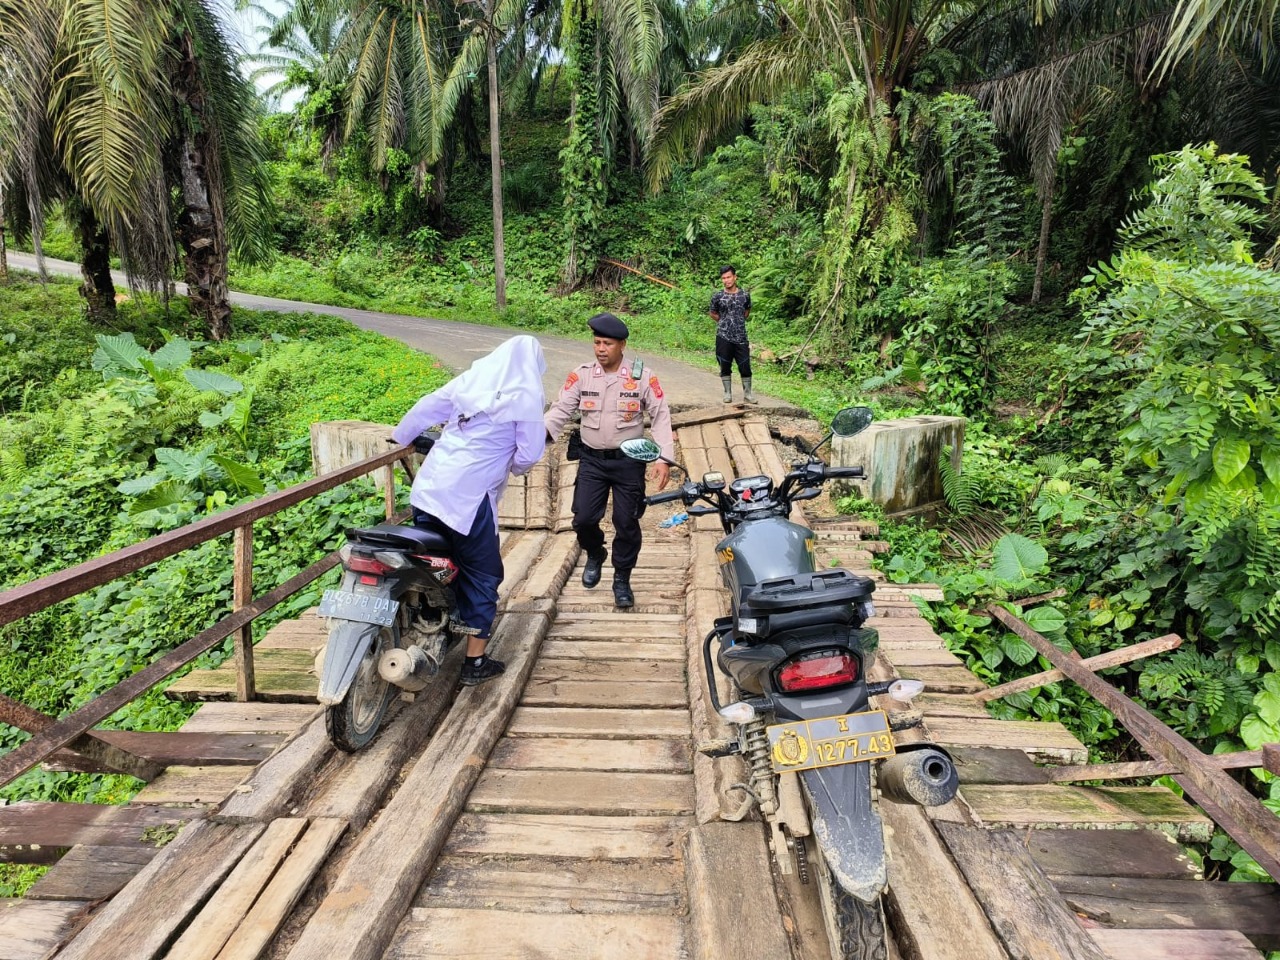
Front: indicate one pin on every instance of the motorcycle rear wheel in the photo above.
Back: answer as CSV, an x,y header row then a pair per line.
x,y
855,928
353,723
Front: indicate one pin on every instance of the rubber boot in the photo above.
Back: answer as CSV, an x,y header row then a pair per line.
x,y
592,568
728,389
622,595
747,395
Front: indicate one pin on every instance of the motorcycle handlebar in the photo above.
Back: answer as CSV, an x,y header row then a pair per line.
x,y
853,473
663,497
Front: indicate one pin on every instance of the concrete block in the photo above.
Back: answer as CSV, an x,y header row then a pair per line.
x,y
901,460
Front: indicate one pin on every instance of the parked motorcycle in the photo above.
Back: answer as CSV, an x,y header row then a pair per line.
x,y
797,651
389,623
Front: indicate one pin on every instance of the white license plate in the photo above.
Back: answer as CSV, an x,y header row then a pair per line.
x,y
852,738
359,606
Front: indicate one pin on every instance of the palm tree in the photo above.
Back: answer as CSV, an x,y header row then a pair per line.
x,y
122,107
1194,20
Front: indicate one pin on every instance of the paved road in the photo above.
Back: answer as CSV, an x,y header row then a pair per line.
x,y
457,344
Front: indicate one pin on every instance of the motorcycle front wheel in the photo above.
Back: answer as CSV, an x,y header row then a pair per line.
x,y
855,928
354,722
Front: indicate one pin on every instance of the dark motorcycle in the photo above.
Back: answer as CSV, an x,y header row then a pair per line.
x,y
797,651
389,623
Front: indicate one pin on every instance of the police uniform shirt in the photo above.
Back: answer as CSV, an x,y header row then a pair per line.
x,y
612,406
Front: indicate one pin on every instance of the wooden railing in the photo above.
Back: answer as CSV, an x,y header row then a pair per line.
x,y
73,730
1205,778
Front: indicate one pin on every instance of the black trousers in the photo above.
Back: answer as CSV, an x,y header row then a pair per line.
x,y
727,352
623,477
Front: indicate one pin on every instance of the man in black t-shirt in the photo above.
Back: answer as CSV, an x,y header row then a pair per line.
x,y
730,308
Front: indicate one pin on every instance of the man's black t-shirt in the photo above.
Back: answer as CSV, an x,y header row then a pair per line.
x,y
732,309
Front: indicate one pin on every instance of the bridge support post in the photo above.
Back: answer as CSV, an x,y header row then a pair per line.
x,y
242,596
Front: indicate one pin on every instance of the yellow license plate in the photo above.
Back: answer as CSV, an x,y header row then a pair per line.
x,y
805,744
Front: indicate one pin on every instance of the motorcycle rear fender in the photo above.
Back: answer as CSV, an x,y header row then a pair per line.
x,y
349,641
847,827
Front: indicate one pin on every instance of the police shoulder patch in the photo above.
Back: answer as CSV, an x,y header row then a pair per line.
x,y
570,381
655,387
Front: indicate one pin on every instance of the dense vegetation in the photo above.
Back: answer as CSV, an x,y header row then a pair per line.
x,y
988,209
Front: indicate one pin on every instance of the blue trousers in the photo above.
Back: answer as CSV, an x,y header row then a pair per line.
x,y
479,566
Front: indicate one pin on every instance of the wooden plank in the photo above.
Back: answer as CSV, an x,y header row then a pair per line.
x,y
194,785
625,671
1112,658
588,837
935,915
591,650
277,901
1024,910
1053,805
250,717
272,788
733,911
624,629
1182,944
33,929
542,885
571,616
582,792
450,934
536,753
1251,908
744,457
365,902
1271,757
944,679
950,705
606,724
1109,853
989,765
689,418
142,919
91,873
1239,760
1237,811
181,747
34,832
603,693
353,788
935,657
87,744
1044,740
221,915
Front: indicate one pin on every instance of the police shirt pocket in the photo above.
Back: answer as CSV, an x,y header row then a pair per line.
x,y
589,411
628,411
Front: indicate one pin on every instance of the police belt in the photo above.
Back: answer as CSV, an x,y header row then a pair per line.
x,y
595,454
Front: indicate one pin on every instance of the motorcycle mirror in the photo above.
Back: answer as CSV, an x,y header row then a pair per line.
x,y
641,448
647,451
851,420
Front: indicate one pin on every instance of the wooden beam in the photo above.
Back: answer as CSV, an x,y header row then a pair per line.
x,y
1112,658
1242,815
242,596
1147,768
98,752
1271,757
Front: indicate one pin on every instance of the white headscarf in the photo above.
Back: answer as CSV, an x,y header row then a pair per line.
x,y
506,384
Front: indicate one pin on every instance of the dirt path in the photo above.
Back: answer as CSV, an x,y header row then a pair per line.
x,y
457,344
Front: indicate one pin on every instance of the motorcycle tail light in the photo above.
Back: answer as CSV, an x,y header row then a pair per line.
x,y
817,671
363,563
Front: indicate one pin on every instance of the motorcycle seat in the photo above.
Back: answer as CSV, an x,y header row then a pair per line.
x,y
393,536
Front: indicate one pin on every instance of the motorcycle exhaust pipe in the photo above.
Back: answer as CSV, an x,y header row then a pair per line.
x,y
926,777
408,669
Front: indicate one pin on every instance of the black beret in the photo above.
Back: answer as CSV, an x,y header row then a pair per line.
x,y
607,325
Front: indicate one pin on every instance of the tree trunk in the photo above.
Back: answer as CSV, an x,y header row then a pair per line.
x,y
495,164
97,288
1042,251
4,252
201,228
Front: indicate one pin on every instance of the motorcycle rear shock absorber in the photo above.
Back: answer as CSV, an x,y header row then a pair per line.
x,y
755,749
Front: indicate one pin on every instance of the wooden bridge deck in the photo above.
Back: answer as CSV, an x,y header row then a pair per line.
x,y
561,810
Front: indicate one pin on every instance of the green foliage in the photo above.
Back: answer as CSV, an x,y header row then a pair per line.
x,y
582,160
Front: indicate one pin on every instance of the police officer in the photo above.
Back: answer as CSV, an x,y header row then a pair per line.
x,y
612,395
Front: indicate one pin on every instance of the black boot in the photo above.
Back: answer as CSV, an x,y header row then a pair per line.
x,y
593,568
622,595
